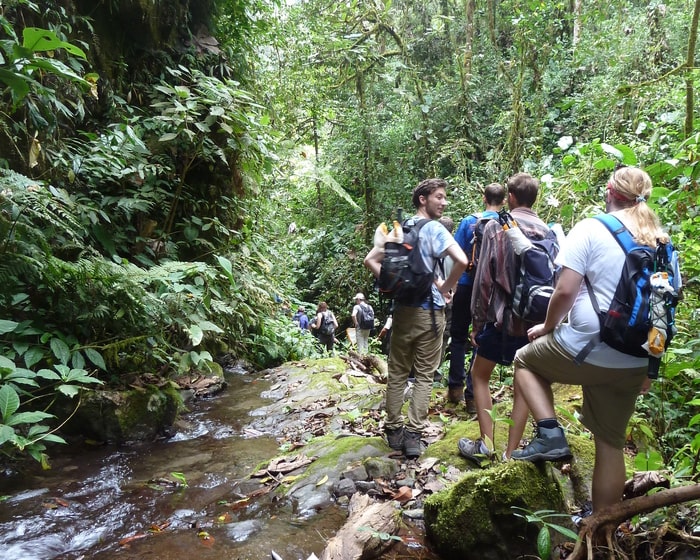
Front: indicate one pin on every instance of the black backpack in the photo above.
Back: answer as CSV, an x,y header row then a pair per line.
x,y
365,316
327,327
535,273
640,321
404,276
476,236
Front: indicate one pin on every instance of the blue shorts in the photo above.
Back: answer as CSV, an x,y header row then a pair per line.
x,y
496,346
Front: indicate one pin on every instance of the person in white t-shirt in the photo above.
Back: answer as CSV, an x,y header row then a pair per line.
x,y
361,335
610,380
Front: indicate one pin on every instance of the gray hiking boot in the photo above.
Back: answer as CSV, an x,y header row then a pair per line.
x,y
549,445
411,444
475,451
395,438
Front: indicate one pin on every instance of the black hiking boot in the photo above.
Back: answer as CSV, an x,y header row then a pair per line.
x,y
395,438
549,445
411,444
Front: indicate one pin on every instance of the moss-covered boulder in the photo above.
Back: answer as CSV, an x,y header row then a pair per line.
x,y
475,519
119,416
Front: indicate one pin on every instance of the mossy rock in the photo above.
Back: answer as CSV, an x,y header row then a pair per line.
x,y
120,416
475,519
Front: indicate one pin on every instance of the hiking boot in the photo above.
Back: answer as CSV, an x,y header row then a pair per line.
x,y
475,451
395,438
471,405
455,394
411,444
549,445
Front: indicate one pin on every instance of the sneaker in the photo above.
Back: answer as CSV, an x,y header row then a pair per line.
x,y
475,451
395,438
455,395
411,444
549,445
471,406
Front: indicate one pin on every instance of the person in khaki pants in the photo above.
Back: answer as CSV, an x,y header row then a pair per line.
x,y
417,330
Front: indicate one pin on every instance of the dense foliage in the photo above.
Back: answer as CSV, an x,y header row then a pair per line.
x,y
163,185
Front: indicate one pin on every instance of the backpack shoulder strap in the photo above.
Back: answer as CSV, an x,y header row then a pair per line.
x,y
620,232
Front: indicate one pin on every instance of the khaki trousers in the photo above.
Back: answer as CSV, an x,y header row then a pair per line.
x,y
415,348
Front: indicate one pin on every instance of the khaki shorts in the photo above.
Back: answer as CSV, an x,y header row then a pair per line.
x,y
609,394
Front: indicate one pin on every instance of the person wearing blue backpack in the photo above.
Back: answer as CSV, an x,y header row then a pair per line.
x,y
610,379
469,236
496,331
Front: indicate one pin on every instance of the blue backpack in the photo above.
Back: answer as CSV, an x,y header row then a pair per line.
x,y
644,305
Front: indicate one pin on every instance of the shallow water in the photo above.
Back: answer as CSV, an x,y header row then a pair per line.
x,y
121,502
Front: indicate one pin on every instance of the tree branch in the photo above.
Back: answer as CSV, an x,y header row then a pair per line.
x,y
604,522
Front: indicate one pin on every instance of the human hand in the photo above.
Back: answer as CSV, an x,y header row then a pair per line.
x,y
645,386
536,332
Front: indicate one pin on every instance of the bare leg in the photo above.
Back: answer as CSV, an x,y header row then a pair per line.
x,y
481,374
519,418
608,475
536,392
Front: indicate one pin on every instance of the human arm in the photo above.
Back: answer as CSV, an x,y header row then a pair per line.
x,y
373,261
560,304
459,259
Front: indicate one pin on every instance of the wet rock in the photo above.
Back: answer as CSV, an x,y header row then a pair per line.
x,y
344,487
356,473
139,414
380,467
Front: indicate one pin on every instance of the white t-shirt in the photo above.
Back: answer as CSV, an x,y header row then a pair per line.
x,y
591,249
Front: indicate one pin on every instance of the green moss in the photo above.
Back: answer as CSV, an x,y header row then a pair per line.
x,y
147,409
483,500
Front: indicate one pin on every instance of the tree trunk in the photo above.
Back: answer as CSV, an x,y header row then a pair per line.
x,y
576,35
468,45
363,535
690,63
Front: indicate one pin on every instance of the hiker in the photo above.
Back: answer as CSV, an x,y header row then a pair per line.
x,y
417,328
496,332
362,315
301,319
611,380
493,199
447,267
324,326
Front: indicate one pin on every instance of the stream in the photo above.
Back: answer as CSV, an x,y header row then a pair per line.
x,y
110,502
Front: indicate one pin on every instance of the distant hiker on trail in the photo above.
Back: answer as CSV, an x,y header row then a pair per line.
x,y
418,325
496,333
363,320
611,380
469,235
324,324
301,319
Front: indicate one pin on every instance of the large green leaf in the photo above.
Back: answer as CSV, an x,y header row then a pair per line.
x,y
9,402
42,40
96,358
6,434
7,326
60,350
31,417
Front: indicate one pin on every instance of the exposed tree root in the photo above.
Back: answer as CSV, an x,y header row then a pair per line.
x,y
600,526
